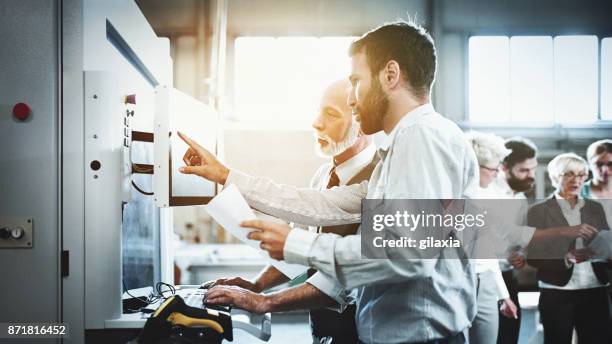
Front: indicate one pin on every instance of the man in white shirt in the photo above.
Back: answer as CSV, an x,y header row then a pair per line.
x,y
424,156
518,176
352,160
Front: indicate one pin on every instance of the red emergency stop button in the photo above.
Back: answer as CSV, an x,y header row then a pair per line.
x,y
21,111
130,99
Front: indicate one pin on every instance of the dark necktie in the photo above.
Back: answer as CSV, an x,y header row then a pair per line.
x,y
333,178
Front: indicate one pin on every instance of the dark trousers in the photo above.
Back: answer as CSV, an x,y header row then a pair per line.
x,y
331,327
585,309
509,328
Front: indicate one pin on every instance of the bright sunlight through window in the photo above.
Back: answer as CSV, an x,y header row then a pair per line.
x,y
538,80
282,78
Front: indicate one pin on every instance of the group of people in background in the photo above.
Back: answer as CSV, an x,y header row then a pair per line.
x,y
574,291
423,155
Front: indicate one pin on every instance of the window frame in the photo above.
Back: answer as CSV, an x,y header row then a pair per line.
x,y
554,127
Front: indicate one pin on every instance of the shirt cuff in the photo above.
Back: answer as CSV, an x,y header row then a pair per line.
x,y
568,263
297,246
331,288
502,290
526,235
240,179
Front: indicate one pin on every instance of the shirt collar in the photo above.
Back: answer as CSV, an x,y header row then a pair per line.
x,y
564,204
408,119
349,168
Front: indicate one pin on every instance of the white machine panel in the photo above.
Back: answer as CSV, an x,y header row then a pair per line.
x,y
176,111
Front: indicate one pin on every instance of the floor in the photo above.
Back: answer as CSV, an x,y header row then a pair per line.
x,y
293,328
286,328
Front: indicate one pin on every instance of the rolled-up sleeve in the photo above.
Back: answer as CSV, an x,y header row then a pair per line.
x,y
330,287
339,205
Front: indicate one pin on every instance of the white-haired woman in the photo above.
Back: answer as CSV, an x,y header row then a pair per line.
x,y
490,151
572,289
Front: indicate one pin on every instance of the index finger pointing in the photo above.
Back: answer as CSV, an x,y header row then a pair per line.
x,y
194,145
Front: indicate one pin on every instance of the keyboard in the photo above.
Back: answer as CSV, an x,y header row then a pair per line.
x,y
194,298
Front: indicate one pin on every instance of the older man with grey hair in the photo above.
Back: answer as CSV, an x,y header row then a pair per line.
x,y
352,158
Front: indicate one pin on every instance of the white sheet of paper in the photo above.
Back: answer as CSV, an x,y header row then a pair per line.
x,y
229,209
601,246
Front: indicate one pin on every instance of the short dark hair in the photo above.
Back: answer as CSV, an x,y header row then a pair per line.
x,y
406,43
522,149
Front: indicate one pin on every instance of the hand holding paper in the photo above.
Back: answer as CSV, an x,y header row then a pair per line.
x,y
272,236
230,209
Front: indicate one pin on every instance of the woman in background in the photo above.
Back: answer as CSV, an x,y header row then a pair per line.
x,y
572,289
490,151
599,157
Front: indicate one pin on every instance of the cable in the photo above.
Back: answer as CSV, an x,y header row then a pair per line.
x,y
140,298
154,296
160,292
140,190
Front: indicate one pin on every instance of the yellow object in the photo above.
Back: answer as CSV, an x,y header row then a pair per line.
x,y
163,305
181,319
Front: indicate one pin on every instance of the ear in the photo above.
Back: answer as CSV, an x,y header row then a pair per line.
x,y
504,167
391,75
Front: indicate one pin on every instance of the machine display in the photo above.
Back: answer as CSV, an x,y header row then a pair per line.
x,y
176,111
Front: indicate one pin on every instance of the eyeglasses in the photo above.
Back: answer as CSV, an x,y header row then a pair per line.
x,y
572,175
491,169
602,164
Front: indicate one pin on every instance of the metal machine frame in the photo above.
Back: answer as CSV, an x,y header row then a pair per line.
x,y
94,37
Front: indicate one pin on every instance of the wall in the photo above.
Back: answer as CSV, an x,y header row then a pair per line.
x,y
29,161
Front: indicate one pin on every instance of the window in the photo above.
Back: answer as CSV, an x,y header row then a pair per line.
x,y
282,78
531,63
606,78
489,79
576,78
538,79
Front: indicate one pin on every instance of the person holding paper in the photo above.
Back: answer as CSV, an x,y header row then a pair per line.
x,y
352,160
517,176
572,290
423,156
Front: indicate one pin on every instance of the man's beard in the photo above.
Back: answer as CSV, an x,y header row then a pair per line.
x,y
371,112
519,185
334,148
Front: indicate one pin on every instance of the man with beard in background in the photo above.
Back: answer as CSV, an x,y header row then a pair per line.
x,y
518,176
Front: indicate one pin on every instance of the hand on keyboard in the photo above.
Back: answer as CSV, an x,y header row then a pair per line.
x,y
237,297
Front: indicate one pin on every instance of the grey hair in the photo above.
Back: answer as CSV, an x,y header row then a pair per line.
x,y
488,147
563,163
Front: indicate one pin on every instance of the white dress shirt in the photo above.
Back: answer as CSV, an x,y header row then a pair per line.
x,y
426,156
583,276
499,189
345,171
492,265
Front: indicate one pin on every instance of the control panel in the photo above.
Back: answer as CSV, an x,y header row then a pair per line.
x,y
16,232
129,102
